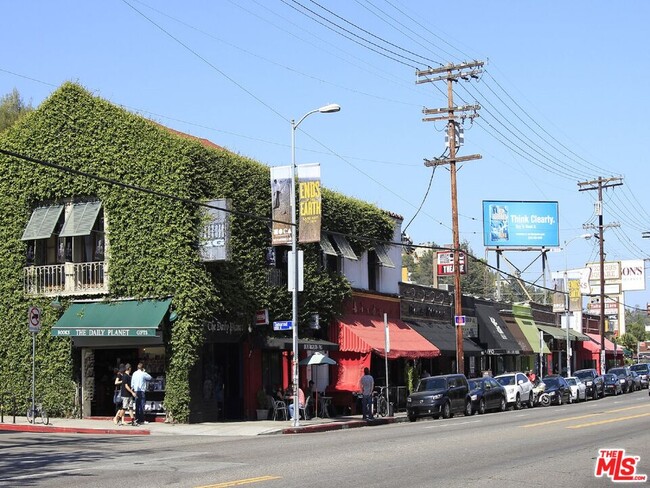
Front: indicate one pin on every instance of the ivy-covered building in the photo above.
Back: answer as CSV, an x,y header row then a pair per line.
x,y
140,243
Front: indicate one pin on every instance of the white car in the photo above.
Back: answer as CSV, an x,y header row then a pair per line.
x,y
578,388
519,389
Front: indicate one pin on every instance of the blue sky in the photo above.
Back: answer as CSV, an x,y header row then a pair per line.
x,y
563,97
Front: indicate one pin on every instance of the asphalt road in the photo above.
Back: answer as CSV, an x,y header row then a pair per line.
x,y
555,446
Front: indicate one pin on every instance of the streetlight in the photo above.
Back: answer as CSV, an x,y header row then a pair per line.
x,y
327,109
567,300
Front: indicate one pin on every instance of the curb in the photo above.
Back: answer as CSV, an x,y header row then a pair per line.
x,y
352,424
51,429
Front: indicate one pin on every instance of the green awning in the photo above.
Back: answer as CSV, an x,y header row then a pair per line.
x,y
126,318
574,335
81,219
42,222
554,332
529,328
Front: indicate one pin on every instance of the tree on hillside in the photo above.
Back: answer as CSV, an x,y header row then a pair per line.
x,y
12,107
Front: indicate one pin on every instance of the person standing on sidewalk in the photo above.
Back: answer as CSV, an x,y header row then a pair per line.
x,y
139,383
367,385
127,397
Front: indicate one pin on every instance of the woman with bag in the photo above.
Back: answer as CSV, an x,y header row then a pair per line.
x,y
117,394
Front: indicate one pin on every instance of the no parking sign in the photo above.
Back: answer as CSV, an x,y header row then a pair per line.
x,y
34,319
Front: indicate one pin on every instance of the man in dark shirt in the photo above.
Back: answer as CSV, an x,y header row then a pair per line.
x,y
127,398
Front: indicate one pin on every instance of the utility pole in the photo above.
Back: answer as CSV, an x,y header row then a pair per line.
x,y
451,73
599,184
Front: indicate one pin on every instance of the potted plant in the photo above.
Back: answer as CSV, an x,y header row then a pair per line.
x,y
262,405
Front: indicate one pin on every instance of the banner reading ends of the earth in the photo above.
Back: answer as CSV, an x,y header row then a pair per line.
x,y
309,196
281,205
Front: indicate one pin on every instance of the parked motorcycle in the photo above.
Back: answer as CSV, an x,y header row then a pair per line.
x,y
540,397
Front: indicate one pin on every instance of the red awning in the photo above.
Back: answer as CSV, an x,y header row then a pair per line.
x,y
363,334
595,345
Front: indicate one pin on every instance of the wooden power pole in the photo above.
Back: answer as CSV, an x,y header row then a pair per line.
x,y
599,184
451,73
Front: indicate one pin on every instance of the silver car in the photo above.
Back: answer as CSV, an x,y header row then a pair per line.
x,y
643,370
578,388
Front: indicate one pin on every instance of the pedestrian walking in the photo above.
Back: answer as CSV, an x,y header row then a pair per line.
x,y
117,393
128,396
139,383
367,385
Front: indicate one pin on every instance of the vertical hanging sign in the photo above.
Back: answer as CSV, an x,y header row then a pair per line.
x,y
281,205
575,297
309,196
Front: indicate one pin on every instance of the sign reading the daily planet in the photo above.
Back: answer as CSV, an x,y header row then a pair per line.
x,y
103,332
520,224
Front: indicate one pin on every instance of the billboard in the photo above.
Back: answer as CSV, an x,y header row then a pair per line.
x,y
520,224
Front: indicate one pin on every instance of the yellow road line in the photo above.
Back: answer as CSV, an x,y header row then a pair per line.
x,y
626,408
241,482
617,410
568,419
600,422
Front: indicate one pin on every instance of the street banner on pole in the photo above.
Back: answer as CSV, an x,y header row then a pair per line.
x,y
575,297
281,205
309,196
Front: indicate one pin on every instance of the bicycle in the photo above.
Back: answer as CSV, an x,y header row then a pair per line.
x,y
380,404
37,411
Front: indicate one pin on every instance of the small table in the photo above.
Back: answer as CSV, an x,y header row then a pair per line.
x,y
325,402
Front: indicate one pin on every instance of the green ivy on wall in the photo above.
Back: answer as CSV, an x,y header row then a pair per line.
x,y
153,241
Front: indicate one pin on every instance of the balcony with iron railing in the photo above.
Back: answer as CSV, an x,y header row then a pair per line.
x,y
66,279
277,277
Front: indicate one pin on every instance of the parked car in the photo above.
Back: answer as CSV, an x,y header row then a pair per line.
x,y
612,384
593,381
624,374
578,388
558,389
519,389
643,370
487,394
440,395
636,380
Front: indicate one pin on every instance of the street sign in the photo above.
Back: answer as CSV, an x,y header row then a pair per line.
x,y
34,319
459,320
262,317
283,325
446,263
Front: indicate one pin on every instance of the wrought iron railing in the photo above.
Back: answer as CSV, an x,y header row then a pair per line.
x,y
277,277
66,279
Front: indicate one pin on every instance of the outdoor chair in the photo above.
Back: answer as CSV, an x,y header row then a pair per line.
x,y
305,408
280,408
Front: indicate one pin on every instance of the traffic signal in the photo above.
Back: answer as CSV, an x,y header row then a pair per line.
x,y
647,307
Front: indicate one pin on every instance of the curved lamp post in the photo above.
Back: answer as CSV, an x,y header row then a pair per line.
x,y
567,300
327,109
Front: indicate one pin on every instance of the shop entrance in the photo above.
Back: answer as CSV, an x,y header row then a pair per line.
x,y
222,382
106,363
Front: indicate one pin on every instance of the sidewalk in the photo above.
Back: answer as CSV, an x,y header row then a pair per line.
x,y
105,426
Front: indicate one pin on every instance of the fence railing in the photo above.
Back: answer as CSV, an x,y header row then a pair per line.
x,y
66,279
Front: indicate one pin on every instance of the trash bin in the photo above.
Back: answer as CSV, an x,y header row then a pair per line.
x,y
391,409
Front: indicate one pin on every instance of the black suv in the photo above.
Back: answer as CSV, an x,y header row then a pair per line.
x,y
624,374
440,395
593,381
